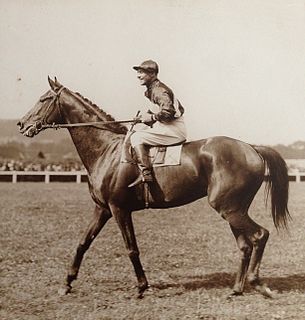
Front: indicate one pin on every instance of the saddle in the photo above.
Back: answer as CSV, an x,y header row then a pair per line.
x,y
159,155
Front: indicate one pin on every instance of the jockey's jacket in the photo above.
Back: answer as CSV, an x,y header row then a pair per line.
x,y
167,126
161,95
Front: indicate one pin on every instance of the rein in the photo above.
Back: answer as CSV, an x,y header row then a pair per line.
x,y
44,125
87,124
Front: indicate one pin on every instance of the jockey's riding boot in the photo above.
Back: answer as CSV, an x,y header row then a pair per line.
x,y
144,165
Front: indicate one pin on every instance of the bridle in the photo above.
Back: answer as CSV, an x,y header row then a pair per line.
x,y
43,124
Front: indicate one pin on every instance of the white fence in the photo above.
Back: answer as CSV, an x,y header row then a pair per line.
x,y
79,176
43,176
297,176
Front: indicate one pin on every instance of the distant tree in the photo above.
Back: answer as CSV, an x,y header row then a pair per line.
x,y
9,152
41,155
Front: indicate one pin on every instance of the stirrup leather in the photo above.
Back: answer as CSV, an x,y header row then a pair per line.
x,y
144,177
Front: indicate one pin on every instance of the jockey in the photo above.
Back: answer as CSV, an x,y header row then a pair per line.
x,y
164,120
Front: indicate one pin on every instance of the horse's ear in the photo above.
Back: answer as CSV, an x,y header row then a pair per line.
x,y
51,83
58,84
54,84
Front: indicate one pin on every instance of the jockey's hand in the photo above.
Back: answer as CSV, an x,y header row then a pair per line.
x,y
137,119
147,119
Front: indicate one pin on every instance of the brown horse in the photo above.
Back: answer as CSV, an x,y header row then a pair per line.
x,y
229,172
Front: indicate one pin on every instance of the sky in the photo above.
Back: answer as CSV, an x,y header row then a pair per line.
x,y
237,66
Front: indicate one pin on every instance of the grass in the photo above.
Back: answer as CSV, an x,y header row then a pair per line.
x,y
189,255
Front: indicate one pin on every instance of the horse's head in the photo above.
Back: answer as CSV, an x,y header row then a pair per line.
x,y
46,111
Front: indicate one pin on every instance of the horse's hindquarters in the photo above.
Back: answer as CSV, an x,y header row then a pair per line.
x,y
236,174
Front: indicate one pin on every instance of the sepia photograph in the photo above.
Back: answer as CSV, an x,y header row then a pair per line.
x,y
152,159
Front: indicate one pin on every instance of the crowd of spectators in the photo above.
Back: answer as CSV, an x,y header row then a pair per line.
x,y
18,165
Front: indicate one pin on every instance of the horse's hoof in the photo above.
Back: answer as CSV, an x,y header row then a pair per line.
x,y
234,294
142,289
265,291
140,295
64,291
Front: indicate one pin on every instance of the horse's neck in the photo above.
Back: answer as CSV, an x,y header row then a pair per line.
x,y
91,143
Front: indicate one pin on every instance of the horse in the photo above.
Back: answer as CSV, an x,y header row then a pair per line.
x,y
227,171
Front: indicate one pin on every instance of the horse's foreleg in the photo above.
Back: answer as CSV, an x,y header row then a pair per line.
x,y
125,224
245,247
101,216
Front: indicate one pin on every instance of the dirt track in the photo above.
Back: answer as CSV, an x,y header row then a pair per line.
x,y
189,255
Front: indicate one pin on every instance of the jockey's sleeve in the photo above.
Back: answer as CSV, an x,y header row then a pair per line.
x,y
167,109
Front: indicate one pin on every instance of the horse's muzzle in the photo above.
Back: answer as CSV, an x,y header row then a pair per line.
x,y
31,129
19,124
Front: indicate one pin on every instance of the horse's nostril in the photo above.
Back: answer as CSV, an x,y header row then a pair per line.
x,y
38,125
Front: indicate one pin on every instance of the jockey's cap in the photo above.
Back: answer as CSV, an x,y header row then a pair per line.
x,y
148,66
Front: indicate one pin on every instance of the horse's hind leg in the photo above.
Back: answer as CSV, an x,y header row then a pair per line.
x,y
245,247
259,240
101,216
251,238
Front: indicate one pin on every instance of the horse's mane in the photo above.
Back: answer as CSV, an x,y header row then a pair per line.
x,y
116,127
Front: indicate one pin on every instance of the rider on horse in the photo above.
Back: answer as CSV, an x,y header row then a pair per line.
x,y
165,126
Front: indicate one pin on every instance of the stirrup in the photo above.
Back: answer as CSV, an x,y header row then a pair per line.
x,y
143,177
136,182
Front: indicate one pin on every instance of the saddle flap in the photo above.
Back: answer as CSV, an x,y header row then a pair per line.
x,y
157,155
167,156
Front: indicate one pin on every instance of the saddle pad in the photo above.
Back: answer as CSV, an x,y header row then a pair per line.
x,y
165,156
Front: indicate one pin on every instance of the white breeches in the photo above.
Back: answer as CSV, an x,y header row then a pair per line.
x,y
160,134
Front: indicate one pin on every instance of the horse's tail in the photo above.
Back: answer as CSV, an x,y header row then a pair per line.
x,y
277,185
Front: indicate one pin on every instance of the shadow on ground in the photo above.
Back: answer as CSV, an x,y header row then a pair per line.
x,y
226,280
